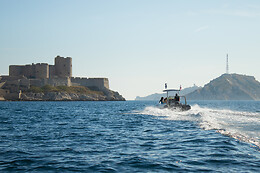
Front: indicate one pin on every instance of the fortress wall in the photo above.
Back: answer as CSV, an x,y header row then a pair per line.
x,y
12,82
29,71
42,70
51,71
13,96
16,85
15,70
65,81
100,83
36,82
7,78
24,84
12,85
106,83
77,81
22,70
63,66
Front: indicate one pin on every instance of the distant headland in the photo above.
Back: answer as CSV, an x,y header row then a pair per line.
x,y
225,87
157,96
44,82
228,87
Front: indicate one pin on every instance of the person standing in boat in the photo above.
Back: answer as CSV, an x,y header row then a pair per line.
x,y
161,101
177,99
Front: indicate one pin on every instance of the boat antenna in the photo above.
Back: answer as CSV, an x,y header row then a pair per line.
x,y
165,86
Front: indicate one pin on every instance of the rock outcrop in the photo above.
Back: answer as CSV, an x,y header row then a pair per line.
x,y
228,87
65,96
62,93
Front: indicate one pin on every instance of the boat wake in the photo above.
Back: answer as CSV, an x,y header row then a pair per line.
x,y
243,126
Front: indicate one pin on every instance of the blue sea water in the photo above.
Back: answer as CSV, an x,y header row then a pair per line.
x,y
131,136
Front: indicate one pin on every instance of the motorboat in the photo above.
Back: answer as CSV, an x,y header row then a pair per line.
x,y
174,102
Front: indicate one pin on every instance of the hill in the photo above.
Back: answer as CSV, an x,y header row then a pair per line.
x,y
228,87
157,96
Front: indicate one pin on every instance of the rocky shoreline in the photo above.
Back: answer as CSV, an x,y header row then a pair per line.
x,y
105,95
64,96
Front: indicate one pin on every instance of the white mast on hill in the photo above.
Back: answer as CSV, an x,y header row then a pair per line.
x,y
227,68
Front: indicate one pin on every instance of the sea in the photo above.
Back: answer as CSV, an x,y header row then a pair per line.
x,y
129,136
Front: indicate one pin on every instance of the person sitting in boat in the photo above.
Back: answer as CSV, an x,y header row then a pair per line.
x,y
161,101
165,100
177,99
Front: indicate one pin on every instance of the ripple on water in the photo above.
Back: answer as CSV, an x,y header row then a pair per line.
x,y
116,137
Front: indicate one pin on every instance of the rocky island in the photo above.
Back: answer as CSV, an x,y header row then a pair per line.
x,y
44,82
228,87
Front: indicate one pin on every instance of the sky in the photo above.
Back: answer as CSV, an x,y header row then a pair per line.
x,y
137,44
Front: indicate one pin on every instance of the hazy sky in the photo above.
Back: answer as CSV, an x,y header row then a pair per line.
x,y
138,44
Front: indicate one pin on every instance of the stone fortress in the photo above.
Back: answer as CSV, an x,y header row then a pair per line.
x,y
22,77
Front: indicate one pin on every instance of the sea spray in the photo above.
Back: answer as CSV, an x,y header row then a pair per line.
x,y
241,125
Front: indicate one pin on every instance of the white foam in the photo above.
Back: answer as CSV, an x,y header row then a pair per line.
x,y
168,113
244,126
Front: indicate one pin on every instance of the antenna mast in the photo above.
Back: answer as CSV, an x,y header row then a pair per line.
x,y
227,68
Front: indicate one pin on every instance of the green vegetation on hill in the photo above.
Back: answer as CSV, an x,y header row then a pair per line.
x,y
71,89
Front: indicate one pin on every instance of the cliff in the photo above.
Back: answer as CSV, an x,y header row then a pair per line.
x,y
228,87
157,96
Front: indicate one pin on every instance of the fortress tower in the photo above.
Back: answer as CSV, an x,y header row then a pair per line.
x,y
63,66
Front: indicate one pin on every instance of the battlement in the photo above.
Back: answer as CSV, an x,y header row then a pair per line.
x,y
60,57
40,64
